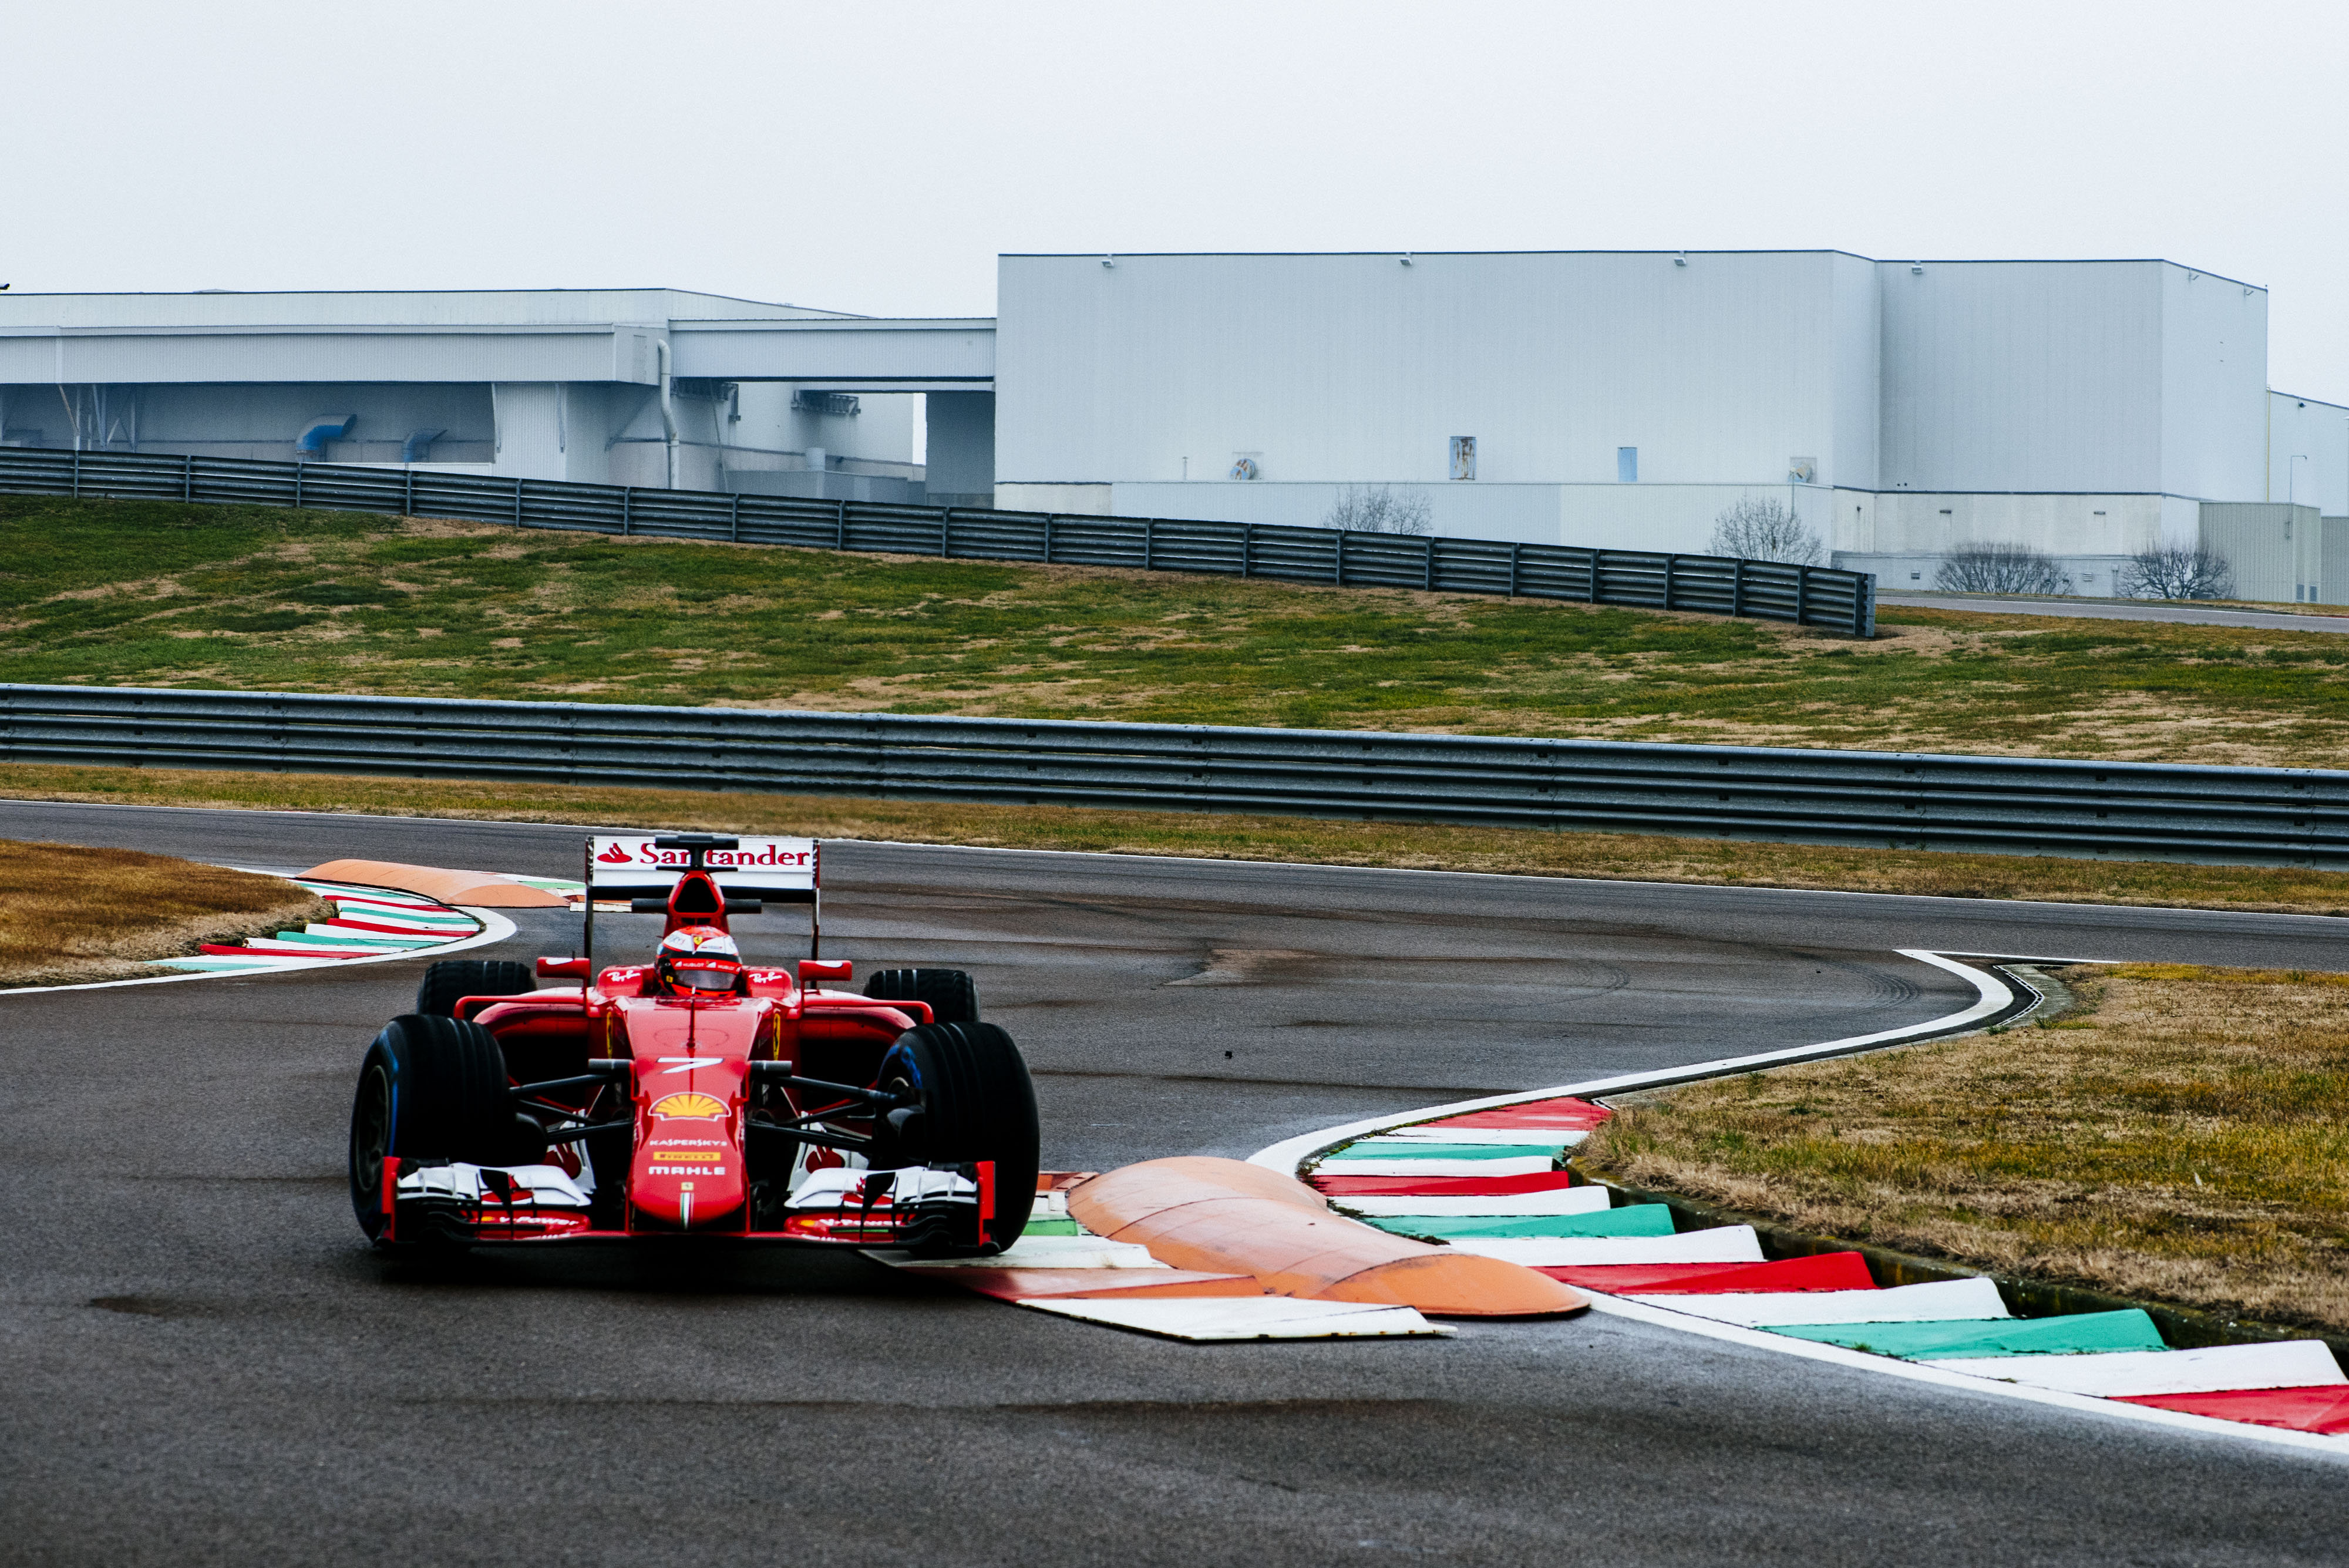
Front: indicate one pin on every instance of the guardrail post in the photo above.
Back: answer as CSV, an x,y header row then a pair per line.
x,y
1147,539
1670,561
1802,595
1737,586
734,520
840,524
627,506
1591,581
517,502
297,485
1337,574
188,477
945,530
1047,538
1248,549
1863,604
407,496
1429,585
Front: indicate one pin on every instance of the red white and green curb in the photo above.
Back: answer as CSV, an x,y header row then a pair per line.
x,y
369,925
1486,1176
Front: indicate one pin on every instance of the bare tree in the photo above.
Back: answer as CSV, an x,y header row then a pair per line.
x,y
1380,509
1761,528
2178,572
2001,569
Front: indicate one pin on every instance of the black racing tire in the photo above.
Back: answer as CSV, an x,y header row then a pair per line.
x,y
431,1088
952,995
450,978
975,1103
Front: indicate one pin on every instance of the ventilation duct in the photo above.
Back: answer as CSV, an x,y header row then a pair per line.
x,y
320,431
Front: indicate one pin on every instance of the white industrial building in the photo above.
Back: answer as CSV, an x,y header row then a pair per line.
x,y
1610,399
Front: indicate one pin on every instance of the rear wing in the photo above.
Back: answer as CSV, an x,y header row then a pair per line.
x,y
750,872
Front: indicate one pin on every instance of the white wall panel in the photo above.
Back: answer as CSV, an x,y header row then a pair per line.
x,y
1358,369
2022,375
2214,386
2308,453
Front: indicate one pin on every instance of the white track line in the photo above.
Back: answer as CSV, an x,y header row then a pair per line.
x,y
1990,995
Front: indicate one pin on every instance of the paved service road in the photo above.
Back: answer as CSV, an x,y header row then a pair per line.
x,y
2123,610
202,1364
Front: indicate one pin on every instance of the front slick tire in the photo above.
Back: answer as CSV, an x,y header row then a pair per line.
x,y
430,1088
976,1103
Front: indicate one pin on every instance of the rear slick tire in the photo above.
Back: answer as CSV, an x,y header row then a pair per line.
x,y
976,1104
952,995
450,979
431,1089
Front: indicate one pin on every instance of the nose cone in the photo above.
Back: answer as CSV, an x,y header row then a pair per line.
x,y
687,1173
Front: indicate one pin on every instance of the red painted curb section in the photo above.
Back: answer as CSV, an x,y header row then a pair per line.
x,y
1227,1215
1562,1116
2323,1408
1824,1271
1442,1186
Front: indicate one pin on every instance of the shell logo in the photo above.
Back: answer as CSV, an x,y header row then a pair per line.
x,y
690,1109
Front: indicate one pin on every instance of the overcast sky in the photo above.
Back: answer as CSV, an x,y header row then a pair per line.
x,y
876,158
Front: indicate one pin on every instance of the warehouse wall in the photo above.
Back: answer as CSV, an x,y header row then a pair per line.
x,y
2022,375
250,419
2308,453
2277,550
1337,369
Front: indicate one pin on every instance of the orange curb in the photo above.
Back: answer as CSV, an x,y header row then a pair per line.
x,y
475,887
1225,1216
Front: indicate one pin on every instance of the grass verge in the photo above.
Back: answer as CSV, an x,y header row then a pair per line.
x,y
155,593
2178,1136
70,913
1198,834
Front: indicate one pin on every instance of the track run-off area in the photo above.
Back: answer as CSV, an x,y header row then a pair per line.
x,y
204,1363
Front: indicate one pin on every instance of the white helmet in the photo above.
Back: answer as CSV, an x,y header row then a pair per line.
x,y
701,958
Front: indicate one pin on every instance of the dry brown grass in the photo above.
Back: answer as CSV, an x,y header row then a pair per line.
x,y
1607,857
70,913
2179,1136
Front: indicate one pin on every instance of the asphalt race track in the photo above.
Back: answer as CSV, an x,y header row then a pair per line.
x,y
199,1362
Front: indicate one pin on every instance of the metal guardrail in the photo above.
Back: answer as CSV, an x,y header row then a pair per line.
x,y
1770,590
2006,804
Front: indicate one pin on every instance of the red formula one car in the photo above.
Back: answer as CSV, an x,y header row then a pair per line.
x,y
694,1096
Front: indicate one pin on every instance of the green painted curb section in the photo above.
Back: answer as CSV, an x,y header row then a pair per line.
x,y
1634,1220
1053,1228
2080,1333
1411,1148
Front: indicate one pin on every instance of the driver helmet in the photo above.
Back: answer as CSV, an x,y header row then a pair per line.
x,y
699,960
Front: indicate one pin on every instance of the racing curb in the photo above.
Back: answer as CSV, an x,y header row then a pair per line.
x,y
2185,1328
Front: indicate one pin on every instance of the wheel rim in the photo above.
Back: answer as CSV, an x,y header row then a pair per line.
x,y
370,1140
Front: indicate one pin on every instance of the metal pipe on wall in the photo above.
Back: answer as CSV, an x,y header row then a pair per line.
x,y
669,411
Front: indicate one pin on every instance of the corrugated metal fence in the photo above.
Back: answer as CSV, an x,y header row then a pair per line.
x,y
2007,805
1770,590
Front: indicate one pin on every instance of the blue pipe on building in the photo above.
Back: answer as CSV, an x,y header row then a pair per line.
x,y
320,431
413,449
